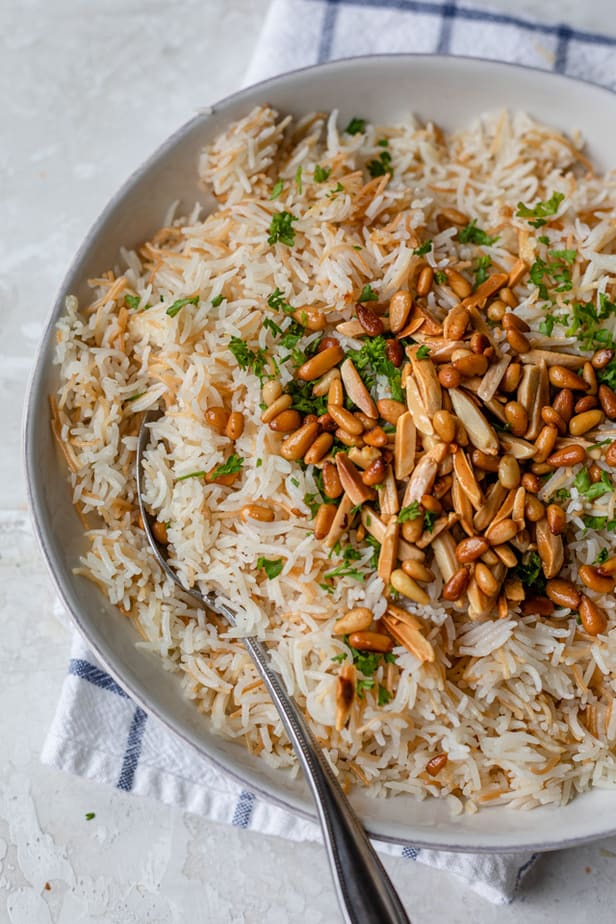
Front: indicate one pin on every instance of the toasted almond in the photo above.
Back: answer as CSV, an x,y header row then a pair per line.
x,y
444,549
550,549
341,521
487,288
480,433
551,358
351,481
439,526
506,554
345,694
408,636
479,604
417,408
519,448
389,551
405,445
465,475
356,390
388,494
462,506
427,382
495,496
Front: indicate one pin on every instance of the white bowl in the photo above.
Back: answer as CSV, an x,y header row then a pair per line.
x,y
452,91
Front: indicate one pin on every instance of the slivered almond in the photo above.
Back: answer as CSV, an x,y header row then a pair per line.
x,y
351,328
402,615
439,526
481,294
404,450
550,549
444,548
417,408
506,555
465,475
480,433
421,318
479,604
517,511
388,494
517,447
356,390
376,527
421,480
493,377
409,636
462,506
345,694
389,550
427,382
506,508
534,394
350,480
341,522
494,498
516,272
536,356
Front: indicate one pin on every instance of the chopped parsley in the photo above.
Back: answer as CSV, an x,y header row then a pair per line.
x,y
277,189
298,179
371,360
367,663
139,394
321,174
247,358
423,352
380,165
191,475
423,249
383,143
601,557
281,229
271,566
544,239
585,324
440,277
481,270
412,512
90,816
599,523
562,494
303,399
356,126
368,294
336,189
217,300
384,696
530,572
474,235
363,684
554,273
132,301
177,306
376,546
540,211
268,324
277,301
590,490
429,519
232,466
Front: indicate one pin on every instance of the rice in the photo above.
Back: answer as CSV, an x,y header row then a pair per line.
x,y
522,706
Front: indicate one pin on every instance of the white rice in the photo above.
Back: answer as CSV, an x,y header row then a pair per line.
x,y
522,706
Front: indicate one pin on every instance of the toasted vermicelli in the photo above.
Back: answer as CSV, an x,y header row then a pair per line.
x,y
367,357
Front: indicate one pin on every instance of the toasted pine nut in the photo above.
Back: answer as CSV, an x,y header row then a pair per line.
x,y
508,297
376,437
511,378
310,318
537,606
601,358
320,363
545,442
375,473
449,377
499,533
297,444
436,764
517,417
335,394
286,422
458,283
561,377
456,585
331,480
390,410
235,425
319,449
587,403
326,515
217,418
563,593
257,512
356,620
552,418
479,342
610,455
399,309
326,342
511,321
282,403
445,425
496,310
486,580
557,519
472,364
518,342
432,504
471,549
596,472
592,577
509,471
532,483
417,571
159,531
483,461
456,322
424,281
409,588
321,387
412,529
590,377
563,404
593,618
568,455
345,419
582,423
533,509
349,439
371,641
272,389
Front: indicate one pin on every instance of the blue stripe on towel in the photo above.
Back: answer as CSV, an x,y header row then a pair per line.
x,y
410,853
94,675
243,809
133,751
448,13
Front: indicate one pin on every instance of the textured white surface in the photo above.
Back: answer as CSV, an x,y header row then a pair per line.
x,y
88,90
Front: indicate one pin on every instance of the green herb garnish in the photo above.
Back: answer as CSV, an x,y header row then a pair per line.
x,y
412,512
321,174
423,249
281,229
440,277
429,520
363,684
298,179
601,557
179,304
474,235
368,294
384,696
233,465
481,270
356,126
541,210
530,572
380,165
217,300
271,566
277,301
90,816
132,301
277,189
371,360
423,352
247,358
590,490
200,474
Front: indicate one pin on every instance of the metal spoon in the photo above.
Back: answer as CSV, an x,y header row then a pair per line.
x,y
365,892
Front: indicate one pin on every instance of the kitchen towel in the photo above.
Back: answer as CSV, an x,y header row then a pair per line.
x,y
97,731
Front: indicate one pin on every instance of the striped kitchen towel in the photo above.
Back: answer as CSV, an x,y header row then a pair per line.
x,y
98,732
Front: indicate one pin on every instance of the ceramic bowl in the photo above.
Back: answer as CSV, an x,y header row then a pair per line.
x,y
452,91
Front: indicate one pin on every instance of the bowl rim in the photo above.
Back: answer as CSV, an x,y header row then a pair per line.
x,y
124,677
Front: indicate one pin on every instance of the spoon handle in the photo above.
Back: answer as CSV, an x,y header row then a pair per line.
x,y
365,892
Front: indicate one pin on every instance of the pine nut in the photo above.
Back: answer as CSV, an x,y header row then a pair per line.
x,y
499,533
356,620
272,389
511,378
456,585
436,764
310,318
557,519
567,456
537,606
563,404
496,310
561,377
331,480
424,281
458,283
321,363
563,593
608,566
486,580
508,297
417,571
518,342
582,423
483,461
345,419
517,418
479,343
445,425
335,393
412,529
159,531
472,364
375,473
281,404
409,588
590,377
610,454
509,472
449,377
326,515
601,358
531,483
596,472
593,579
587,403
390,410
326,422
472,548
326,342
217,418
349,439
456,322
371,641
533,509
399,309
513,322
286,422
369,320
235,425
321,387
376,437
257,512
297,445
593,618
394,352
319,449
545,442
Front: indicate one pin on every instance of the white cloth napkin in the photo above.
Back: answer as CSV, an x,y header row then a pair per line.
x,y
97,731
